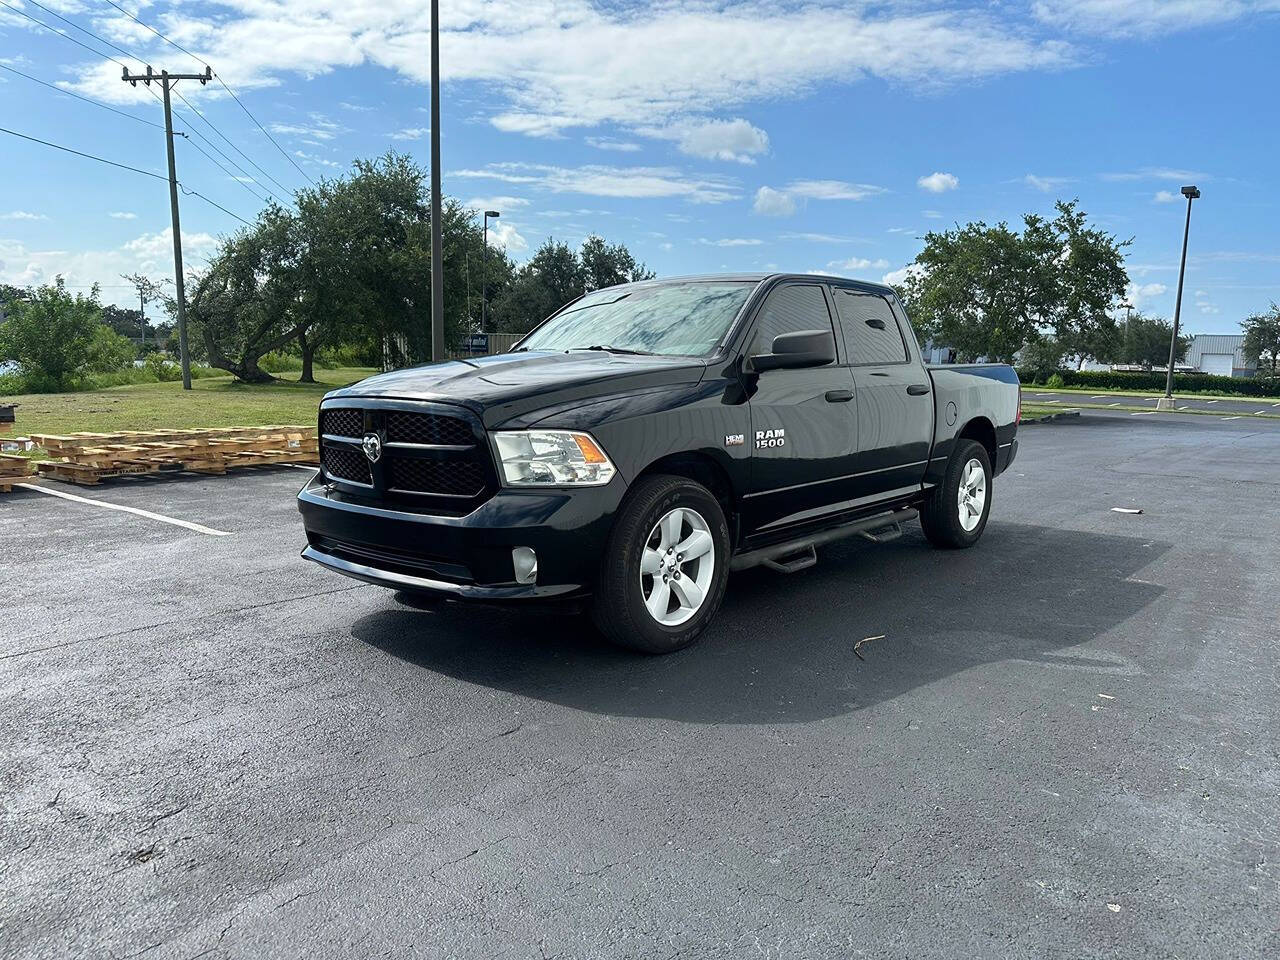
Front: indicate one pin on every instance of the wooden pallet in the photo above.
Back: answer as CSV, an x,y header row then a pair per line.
x,y
13,470
89,458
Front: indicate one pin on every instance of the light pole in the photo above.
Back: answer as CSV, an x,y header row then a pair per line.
x,y
1166,402
484,272
1128,325
437,255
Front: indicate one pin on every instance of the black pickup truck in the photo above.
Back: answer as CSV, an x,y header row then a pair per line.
x,y
648,438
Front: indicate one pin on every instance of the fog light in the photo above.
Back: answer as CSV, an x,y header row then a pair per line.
x,y
526,563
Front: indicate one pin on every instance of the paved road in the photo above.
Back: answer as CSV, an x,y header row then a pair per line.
x,y
1226,406
1062,743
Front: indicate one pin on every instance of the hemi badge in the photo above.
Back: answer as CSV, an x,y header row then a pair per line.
x,y
734,439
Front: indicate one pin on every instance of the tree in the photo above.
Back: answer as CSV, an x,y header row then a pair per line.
x,y
244,306
1090,278
606,266
1262,337
1145,342
148,291
988,291
1041,358
555,275
56,337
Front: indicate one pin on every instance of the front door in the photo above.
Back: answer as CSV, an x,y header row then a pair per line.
x,y
804,437
894,394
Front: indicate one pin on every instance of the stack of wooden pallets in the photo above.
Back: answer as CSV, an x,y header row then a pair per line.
x,y
87,458
13,470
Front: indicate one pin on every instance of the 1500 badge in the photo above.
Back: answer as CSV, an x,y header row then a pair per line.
x,y
770,438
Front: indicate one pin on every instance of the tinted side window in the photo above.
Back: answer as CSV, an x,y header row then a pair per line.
x,y
795,307
871,333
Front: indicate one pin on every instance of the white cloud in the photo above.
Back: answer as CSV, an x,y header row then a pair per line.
x,y
896,278
149,253
496,203
1204,304
319,128
732,242
818,238
1143,17
1045,184
859,263
832,190
1140,294
931,214
1165,196
1157,173
603,181
608,143
409,133
938,182
311,158
22,215
548,66
733,140
504,236
773,203
123,215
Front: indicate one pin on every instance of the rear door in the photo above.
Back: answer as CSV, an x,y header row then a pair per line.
x,y
894,393
804,439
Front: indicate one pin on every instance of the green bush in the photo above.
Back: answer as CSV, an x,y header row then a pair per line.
x,y
277,362
1055,380
1154,381
162,368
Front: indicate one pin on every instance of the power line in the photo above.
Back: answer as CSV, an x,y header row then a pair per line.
x,y
96,103
64,36
228,141
193,132
122,166
90,33
283,153
199,148
197,193
148,26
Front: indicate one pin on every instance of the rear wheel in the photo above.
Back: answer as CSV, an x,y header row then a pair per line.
x,y
665,568
956,511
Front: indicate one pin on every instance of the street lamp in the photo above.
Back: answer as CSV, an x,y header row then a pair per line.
x,y
484,272
1166,402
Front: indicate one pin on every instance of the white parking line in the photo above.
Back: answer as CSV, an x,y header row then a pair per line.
x,y
1211,401
1144,413
1228,418
198,528
1103,397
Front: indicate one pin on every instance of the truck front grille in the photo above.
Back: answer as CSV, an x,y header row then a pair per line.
x,y
433,458
342,463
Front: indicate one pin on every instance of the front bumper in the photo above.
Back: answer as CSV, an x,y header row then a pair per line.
x,y
468,557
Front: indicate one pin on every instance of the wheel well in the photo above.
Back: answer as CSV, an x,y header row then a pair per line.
x,y
702,469
982,430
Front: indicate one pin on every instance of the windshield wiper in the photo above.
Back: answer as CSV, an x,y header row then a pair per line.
x,y
609,349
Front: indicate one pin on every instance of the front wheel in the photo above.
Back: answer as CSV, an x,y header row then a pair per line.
x,y
955,512
665,568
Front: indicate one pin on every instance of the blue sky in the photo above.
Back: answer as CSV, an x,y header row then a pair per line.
x,y
707,136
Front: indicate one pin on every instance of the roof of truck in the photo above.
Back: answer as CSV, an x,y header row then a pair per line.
x,y
761,277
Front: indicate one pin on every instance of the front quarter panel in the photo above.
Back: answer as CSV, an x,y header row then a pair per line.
x,y
710,418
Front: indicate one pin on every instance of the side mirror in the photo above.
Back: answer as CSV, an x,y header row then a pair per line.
x,y
792,351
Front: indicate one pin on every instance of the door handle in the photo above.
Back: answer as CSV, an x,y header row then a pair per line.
x,y
918,389
839,396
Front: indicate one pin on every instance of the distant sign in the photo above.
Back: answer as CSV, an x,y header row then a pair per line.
x,y
476,343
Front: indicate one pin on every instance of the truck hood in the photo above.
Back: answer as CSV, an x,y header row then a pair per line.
x,y
512,384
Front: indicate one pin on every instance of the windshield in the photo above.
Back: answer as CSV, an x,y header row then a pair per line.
x,y
676,319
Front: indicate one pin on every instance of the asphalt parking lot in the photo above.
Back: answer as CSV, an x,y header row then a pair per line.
x,y
1062,743
1225,406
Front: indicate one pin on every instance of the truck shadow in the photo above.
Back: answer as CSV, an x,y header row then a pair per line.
x,y
782,648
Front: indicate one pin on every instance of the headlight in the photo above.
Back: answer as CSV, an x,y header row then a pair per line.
x,y
551,457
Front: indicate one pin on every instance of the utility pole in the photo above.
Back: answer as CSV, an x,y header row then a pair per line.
x,y
484,272
1166,402
437,261
166,81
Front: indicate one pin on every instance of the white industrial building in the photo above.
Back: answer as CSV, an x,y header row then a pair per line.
x,y
1220,353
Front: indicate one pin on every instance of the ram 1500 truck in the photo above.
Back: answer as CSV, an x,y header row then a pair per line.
x,y
648,438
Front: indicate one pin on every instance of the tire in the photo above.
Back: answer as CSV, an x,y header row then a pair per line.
x,y
642,536
944,515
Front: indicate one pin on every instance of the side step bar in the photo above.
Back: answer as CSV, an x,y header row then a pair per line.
x,y
801,553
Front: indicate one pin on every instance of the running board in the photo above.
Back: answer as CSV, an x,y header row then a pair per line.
x,y
801,553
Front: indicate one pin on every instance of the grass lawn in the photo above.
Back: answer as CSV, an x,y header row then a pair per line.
x,y
212,402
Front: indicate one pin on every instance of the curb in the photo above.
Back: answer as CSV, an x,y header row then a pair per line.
x,y
1050,417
